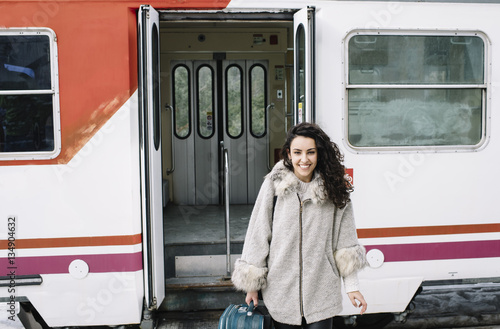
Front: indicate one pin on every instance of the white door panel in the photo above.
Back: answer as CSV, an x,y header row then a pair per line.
x,y
150,151
304,65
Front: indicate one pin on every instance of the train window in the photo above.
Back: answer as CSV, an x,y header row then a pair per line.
x,y
29,96
205,92
416,90
258,87
234,101
181,96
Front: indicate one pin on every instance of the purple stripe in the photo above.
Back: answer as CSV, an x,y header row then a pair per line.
x,y
441,250
60,264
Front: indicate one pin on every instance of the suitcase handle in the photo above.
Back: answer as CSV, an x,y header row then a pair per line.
x,y
250,309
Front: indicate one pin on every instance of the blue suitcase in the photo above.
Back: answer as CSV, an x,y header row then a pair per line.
x,y
245,317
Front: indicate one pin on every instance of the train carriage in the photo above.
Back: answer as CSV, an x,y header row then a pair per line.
x,y
134,138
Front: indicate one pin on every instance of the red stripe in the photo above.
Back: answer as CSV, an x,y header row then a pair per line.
x,y
60,264
438,251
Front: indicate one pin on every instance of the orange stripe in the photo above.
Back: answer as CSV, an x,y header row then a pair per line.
x,y
90,241
426,230
362,234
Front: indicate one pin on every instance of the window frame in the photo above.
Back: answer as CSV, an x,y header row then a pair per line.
x,y
242,100
214,110
54,91
250,99
188,71
484,87
300,78
156,87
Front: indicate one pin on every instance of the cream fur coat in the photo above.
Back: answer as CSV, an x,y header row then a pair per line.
x,y
297,260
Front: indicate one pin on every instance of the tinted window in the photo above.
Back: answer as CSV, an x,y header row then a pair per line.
x,y
28,98
25,62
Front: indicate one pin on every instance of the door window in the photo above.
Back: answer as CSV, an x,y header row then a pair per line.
x,y
181,96
258,100
156,88
205,92
300,78
234,101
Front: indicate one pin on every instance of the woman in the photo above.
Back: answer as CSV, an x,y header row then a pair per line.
x,y
300,243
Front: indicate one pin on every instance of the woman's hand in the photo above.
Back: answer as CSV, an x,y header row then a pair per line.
x,y
252,295
356,295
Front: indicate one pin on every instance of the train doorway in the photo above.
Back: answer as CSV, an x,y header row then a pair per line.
x,y
226,84
216,105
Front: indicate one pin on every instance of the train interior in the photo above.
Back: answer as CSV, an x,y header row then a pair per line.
x,y
227,92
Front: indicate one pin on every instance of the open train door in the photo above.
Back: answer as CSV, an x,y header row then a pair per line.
x,y
150,153
304,89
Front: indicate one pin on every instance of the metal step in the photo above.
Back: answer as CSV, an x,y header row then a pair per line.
x,y
200,294
203,266
176,253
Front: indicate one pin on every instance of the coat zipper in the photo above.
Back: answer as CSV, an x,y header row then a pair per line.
x,y
300,256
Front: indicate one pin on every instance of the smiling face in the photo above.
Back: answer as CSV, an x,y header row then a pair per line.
x,y
304,157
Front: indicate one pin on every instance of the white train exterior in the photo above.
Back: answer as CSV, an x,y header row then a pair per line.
x,y
408,90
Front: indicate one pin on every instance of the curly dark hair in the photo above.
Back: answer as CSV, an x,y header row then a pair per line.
x,y
329,165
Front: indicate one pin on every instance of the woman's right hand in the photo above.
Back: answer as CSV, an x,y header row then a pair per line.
x,y
252,295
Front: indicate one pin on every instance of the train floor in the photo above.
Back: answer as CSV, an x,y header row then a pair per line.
x,y
204,224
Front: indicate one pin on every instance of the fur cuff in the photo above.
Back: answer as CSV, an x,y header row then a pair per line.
x,y
350,260
247,277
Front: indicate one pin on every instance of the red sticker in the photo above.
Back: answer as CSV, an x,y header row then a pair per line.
x,y
350,175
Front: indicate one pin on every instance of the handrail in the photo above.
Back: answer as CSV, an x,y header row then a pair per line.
x,y
221,161
221,170
172,151
268,146
226,211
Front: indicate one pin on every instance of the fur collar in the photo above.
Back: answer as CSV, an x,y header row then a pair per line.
x,y
285,182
